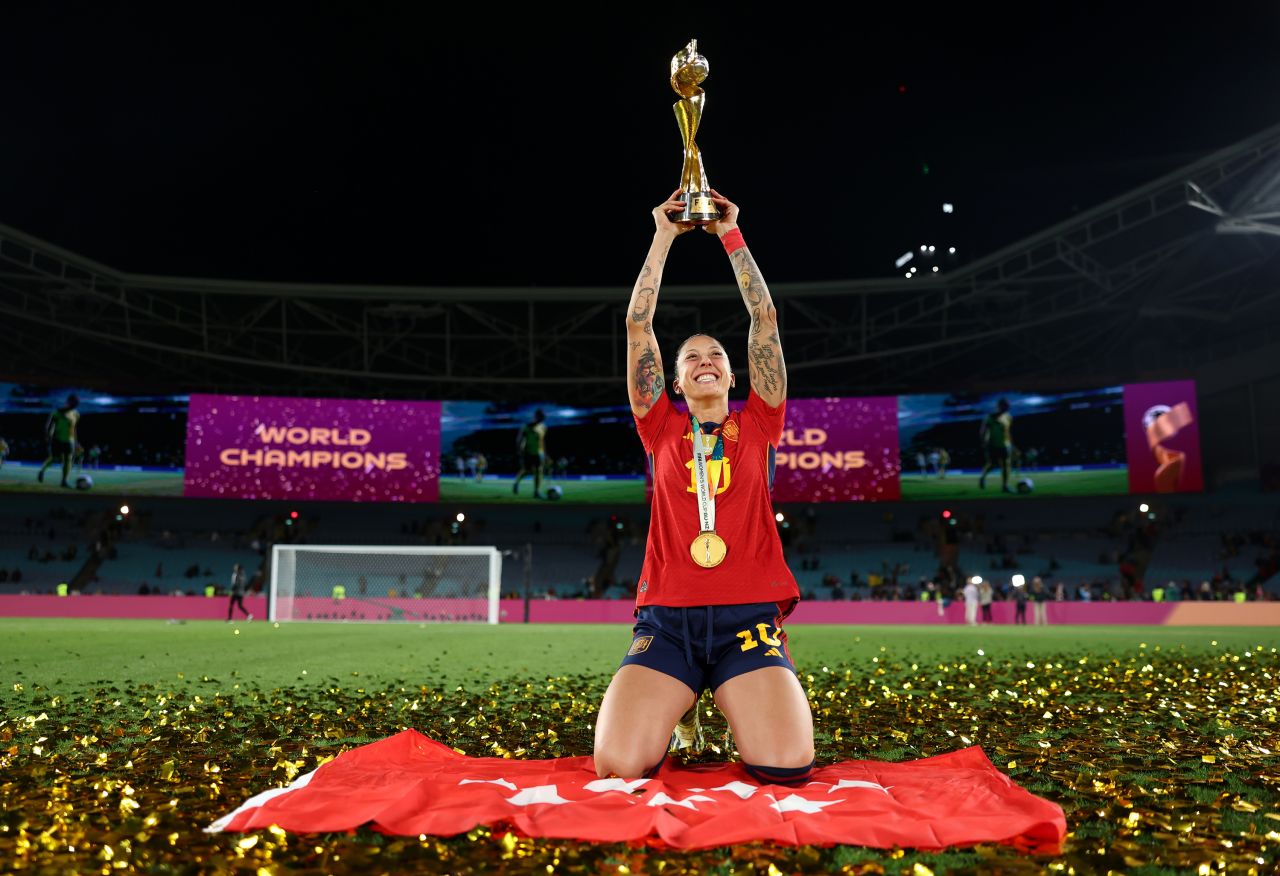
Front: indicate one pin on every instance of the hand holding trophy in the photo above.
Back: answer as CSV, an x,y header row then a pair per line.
x,y
688,69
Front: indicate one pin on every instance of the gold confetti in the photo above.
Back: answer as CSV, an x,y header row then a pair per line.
x,y
1159,761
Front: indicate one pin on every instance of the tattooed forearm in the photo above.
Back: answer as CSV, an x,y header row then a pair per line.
x,y
764,347
642,304
754,291
645,293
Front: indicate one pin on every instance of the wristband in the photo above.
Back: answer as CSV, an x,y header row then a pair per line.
x,y
733,241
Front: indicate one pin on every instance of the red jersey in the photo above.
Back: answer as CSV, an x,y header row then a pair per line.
x,y
753,569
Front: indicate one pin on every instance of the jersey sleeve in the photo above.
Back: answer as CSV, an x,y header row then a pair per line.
x,y
768,421
649,427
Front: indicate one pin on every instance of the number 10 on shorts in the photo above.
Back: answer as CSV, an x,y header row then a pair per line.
x,y
749,641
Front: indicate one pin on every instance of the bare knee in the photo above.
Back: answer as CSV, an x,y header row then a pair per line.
x,y
624,765
787,757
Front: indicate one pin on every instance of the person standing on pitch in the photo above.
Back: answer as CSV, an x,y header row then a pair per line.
x,y
714,588
237,592
971,603
531,446
997,444
60,431
1019,603
1038,598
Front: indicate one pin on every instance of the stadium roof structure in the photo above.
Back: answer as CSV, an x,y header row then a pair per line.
x,y
1160,282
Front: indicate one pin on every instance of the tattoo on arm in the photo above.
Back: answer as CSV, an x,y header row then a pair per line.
x,y
765,365
645,362
754,291
764,347
649,380
642,307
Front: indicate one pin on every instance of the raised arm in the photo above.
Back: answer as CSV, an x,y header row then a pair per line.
x,y
645,380
765,366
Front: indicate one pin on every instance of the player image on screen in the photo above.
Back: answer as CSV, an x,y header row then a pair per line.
x,y
1067,444
996,435
531,446
714,588
60,431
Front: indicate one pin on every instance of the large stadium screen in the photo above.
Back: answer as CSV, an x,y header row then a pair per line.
x,y
967,446
1138,438
65,439
1111,440
838,450
502,453
259,447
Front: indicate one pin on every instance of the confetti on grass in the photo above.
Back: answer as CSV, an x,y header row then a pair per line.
x,y
1166,760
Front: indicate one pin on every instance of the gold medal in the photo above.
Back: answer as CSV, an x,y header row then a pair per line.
x,y
708,549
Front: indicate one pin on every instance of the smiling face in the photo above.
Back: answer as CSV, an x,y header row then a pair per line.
x,y
702,369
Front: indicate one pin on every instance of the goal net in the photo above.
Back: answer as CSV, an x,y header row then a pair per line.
x,y
385,584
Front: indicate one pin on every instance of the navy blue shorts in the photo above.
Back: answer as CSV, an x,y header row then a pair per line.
x,y
706,646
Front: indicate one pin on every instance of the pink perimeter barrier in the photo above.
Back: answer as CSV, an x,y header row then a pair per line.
x,y
587,611
157,607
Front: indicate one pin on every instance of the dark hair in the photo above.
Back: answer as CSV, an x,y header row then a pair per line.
x,y
1002,405
539,416
73,400
680,348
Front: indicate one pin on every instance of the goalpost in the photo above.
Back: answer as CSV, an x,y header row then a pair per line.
x,y
384,583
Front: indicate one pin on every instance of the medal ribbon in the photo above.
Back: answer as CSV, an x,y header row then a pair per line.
x,y
706,489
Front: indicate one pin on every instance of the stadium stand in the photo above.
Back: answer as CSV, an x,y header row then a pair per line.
x,y
836,551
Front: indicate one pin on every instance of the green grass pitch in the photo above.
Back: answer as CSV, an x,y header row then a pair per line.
x,y
71,655
22,479
1096,482
121,740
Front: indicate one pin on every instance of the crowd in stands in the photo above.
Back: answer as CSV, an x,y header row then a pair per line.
x,y
1109,551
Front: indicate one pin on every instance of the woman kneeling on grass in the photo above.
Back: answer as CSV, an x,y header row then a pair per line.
x,y
715,587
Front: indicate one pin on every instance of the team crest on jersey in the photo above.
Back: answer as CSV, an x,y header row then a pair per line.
x,y
730,430
639,645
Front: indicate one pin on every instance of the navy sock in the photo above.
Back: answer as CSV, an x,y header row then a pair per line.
x,y
767,775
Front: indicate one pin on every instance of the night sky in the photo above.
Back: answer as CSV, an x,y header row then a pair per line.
x,y
384,143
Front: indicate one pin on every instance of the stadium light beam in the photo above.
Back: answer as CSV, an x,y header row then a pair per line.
x,y
124,509
461,518
1144,507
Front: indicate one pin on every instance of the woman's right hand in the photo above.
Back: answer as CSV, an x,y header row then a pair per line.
x,y
662,220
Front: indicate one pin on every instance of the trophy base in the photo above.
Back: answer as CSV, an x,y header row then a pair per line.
x,y
699,209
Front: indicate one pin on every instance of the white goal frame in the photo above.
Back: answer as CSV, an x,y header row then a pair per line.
x,y
283,563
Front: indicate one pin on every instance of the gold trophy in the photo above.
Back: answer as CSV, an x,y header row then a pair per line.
x,y
688,69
